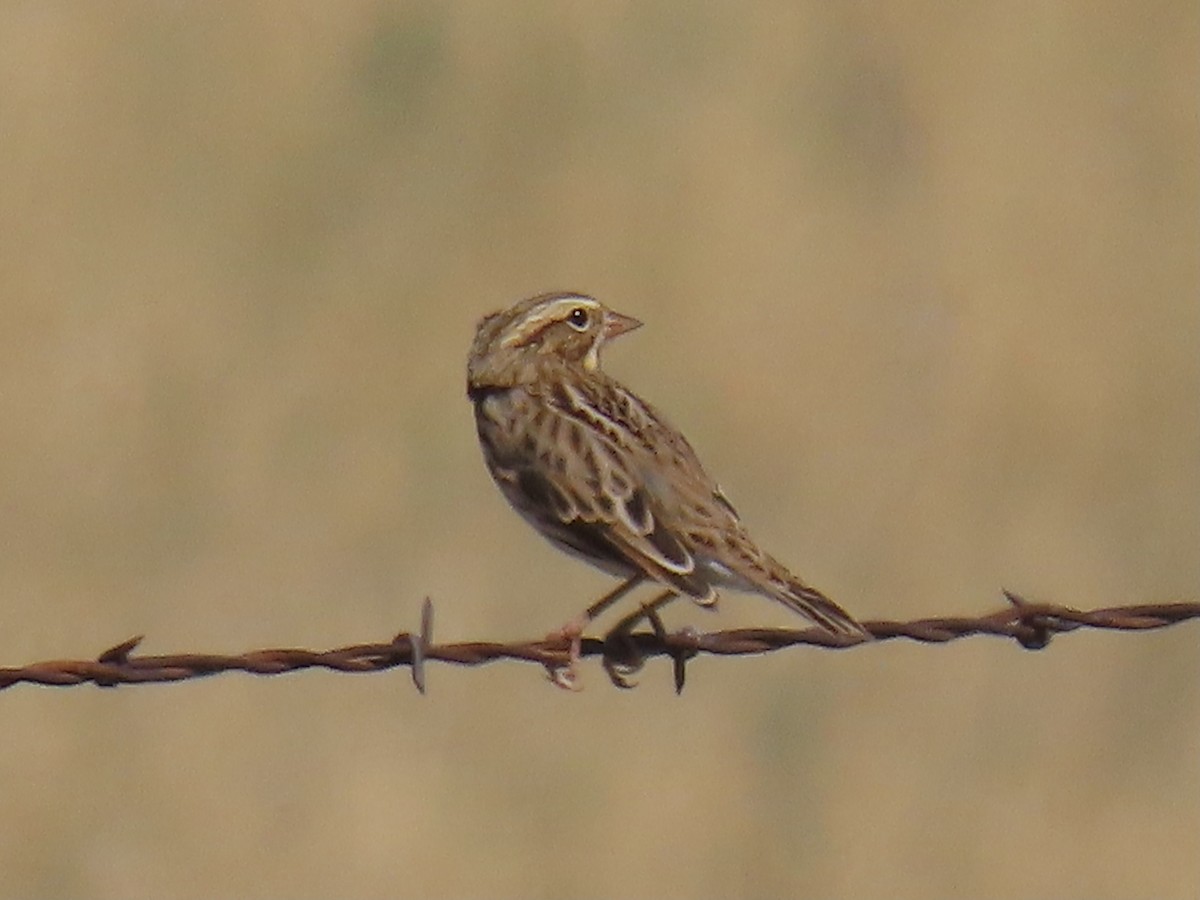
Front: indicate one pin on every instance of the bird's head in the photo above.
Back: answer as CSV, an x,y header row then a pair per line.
x,y
558,329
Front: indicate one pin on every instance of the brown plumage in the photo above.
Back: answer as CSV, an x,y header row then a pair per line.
x,y
600,472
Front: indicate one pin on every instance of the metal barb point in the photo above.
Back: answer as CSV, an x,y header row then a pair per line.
x,y
1015,599
119,655
680,656
420,643
1036,630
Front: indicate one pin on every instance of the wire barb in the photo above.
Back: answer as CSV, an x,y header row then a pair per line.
x,y
1032,625
420,644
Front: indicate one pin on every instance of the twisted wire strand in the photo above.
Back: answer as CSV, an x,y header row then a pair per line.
x,y
1032,625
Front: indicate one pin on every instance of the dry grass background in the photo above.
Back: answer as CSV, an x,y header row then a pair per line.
x,y
920,282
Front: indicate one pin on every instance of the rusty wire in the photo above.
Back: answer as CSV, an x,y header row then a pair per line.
x,y
1030,624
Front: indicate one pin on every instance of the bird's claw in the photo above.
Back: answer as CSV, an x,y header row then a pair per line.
x,y
567,676
619,671
622,658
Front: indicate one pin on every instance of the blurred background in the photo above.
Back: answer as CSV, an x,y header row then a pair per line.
x,y
919,282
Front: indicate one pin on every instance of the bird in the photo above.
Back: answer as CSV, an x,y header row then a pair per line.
x,y
604,476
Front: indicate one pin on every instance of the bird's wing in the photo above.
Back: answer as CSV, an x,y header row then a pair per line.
x,y
585,466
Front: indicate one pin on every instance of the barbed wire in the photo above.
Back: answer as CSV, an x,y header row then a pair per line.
x,y
1032,625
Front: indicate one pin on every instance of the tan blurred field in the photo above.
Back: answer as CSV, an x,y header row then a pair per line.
x,y
920,282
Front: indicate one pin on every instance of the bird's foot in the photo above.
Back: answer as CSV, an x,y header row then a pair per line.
x,y
571,633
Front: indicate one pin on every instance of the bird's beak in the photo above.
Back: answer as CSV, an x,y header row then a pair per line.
x,y
616,324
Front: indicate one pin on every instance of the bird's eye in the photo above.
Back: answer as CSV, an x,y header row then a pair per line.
x,y
578,319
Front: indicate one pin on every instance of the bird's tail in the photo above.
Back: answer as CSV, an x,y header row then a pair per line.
x,y
811,603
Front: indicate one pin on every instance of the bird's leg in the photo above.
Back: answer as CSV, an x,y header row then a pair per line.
x,y
632,661
644,611
572,632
